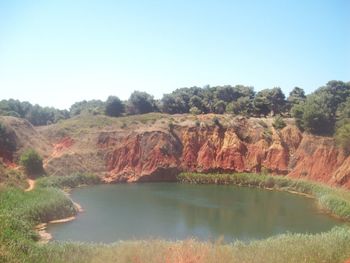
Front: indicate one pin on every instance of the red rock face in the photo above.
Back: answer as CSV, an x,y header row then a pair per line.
x,y
318,159
142,156
246,146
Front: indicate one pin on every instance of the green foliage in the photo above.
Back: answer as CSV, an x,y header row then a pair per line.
x,y
216,121
197,103
21,211
278,123
269,101
263,124
114,106
209,100
342,137
12,177
336,201
87,107
344,113
35,114
32,163
195,111
219,107
7,140
140,103
171,126
315,115
318,114
296,96
318,117
69,181
297,112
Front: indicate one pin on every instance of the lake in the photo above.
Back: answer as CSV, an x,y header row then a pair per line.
x,y
176,211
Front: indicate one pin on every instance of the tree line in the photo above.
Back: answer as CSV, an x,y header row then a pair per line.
x,y
325,111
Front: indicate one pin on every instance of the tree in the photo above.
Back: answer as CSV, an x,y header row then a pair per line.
x,y
195,111
296,96
318,117
220,107
90,106
342,137
297,112
32,163
243,106
269,101
262,103
198,103
140,103
114,106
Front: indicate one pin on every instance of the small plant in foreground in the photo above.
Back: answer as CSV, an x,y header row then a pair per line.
x,y
279,123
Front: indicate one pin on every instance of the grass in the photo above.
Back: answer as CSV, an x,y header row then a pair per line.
x,y
332,247
11,177
336,201
70,181
21,211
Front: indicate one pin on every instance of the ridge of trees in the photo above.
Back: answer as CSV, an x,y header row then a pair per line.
x,y
324,112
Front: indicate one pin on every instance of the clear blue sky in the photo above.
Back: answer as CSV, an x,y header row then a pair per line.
x,y
61,51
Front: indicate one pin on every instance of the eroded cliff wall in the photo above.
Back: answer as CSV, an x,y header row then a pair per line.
x,y
159,148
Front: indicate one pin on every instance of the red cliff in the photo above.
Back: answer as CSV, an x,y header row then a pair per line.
x,y
154,150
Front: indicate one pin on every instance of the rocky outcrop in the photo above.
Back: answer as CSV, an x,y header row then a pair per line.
x,y
155,155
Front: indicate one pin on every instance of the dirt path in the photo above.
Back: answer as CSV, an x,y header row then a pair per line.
x,y
31,186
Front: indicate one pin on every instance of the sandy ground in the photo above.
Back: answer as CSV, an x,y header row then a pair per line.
x,y
31,186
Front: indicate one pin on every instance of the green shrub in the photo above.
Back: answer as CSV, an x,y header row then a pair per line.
x,y
279,123
333,200
32,163
195,111
216,121
69,181
342,137
263,124
7,142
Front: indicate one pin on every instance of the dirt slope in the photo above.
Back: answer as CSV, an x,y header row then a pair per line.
x,y
157,147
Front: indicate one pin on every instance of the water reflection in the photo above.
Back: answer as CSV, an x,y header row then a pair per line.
x,y
177,211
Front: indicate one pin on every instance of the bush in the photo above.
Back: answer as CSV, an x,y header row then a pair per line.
x,y
342,137
70,181
171,126
216,121
7,142
195,111
279,123
32,163
114,106
263,124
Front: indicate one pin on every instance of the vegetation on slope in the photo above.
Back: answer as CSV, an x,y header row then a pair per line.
x,y
69,181
21,211
312,111
11,177
336,201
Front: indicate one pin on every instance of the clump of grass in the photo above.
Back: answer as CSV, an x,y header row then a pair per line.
x,y
263,124
331,247
279,123
70,181
12,178
336,201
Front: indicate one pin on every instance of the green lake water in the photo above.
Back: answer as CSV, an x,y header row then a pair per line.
x,y
178,211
